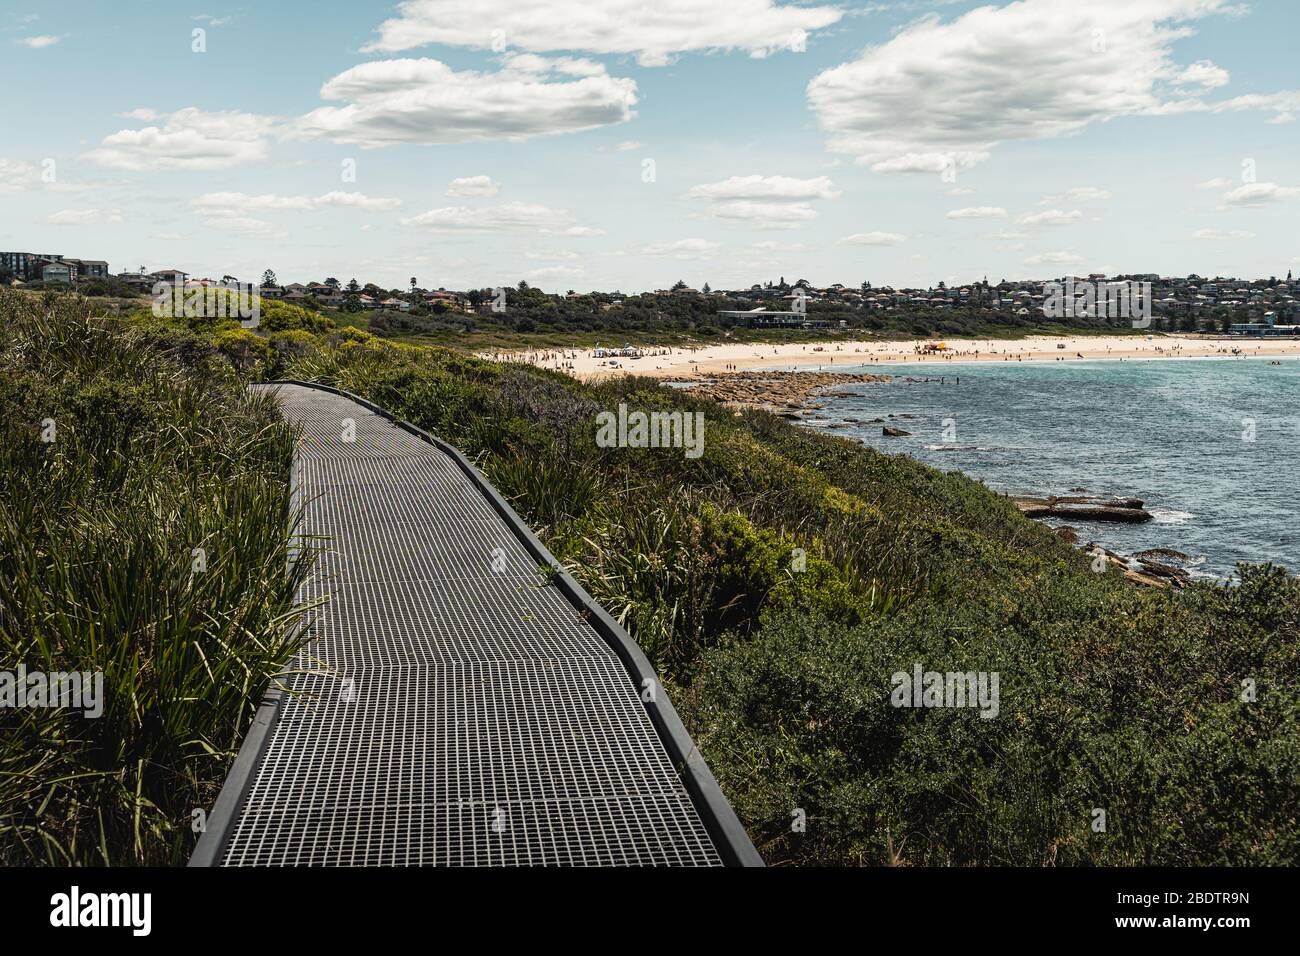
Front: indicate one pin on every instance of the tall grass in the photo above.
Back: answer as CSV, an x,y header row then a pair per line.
x,y
160,462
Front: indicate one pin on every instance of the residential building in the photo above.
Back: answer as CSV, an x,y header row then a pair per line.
x,y
90,268
27,265
61,272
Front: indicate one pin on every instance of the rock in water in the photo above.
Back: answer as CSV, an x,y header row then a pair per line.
x,y
1124,510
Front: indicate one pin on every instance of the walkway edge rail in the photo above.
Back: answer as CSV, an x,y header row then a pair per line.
x,y
724,827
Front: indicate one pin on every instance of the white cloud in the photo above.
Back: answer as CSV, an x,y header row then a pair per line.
x,y
551,255
244,226
1257,194
40,42
83,217
556,272
1218,183
944,94
764,215
1077,194
765,202
628,145
188,139
978,212
355,201
873,239
766,187
426,101
653,32
576,232
1205,74
683,249
1286,116
230,203
505,217
1050,217
1054,258
1222,234
18,176
473,186
933,162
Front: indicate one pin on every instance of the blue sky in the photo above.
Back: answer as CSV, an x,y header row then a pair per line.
x,y
617,144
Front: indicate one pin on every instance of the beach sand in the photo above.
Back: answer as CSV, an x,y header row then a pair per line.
x,y
879,356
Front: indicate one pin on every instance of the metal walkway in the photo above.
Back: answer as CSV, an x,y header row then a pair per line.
x,y
451,706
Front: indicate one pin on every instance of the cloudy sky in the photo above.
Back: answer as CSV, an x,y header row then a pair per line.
x,y
628,143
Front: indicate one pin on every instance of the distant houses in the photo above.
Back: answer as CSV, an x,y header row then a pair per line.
x,y
1242,306
51,267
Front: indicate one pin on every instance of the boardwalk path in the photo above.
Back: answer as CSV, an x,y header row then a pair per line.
x,y
451,707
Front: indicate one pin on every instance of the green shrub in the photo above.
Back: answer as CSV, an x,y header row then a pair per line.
x,y
158,458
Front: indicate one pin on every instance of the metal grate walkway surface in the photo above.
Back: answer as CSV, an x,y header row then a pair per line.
x,y
450,707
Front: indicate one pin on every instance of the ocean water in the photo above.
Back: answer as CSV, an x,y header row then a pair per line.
x,y
1176,433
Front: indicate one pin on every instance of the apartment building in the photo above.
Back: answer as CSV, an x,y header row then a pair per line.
x,y
51,267
26,265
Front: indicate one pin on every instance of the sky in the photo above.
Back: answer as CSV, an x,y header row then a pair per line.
x,y
626,144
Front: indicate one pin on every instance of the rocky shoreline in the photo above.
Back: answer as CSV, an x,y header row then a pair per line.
x,y
1125,510
791,393
1156,567
786,393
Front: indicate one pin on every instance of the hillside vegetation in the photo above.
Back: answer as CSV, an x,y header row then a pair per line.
x,y
143,511
780,579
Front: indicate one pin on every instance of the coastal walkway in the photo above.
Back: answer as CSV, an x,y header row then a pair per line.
x,y
452,705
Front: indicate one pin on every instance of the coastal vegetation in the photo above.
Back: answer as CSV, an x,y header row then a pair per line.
x,y
143,516
778,582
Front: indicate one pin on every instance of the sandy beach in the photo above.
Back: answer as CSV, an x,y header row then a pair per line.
x,y
664,362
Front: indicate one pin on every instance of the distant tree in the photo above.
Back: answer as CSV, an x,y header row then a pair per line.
x,y
268,278
229,280
706,290
332,282
866,287
353,286
679,284
523,286
413,283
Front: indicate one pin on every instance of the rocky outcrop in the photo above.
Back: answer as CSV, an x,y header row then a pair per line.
x,y
784,392
1125,510
894,432
1144,570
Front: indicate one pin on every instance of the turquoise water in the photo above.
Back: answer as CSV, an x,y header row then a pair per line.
x,y
1173,433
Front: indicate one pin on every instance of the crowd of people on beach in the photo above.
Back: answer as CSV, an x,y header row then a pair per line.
x,y
599,362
